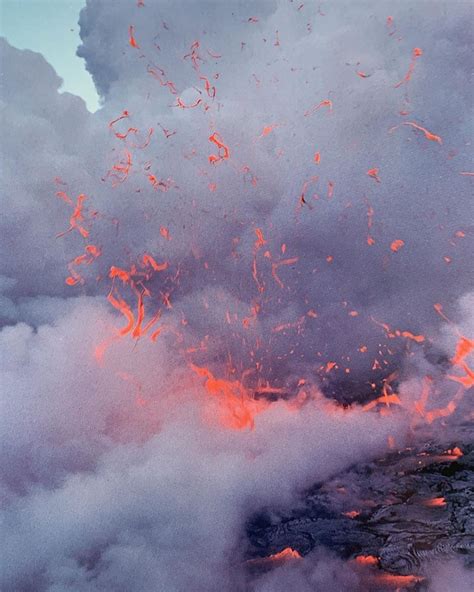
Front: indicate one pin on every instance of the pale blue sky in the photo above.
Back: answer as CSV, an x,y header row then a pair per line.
x,y
50,27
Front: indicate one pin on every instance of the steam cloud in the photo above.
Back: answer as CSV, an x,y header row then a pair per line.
x,y
117,476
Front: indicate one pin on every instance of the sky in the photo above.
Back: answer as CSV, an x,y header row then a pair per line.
x,y
50,27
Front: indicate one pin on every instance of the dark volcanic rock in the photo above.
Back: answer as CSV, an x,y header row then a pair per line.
x,y
408,508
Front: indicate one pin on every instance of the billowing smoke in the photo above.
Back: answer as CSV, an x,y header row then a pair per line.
x,y
277,199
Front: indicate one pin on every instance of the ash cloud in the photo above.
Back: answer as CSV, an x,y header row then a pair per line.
x,y
421,199
114,477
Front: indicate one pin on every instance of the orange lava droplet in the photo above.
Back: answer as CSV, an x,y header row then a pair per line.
x,y
466,381
131,40
395,581
223,150
366,560
287,553
260,242
267,130
435,502
181,105
386,399
165,233
456,451
330,189
352,514
409,335
149,261
374,173
397,245
210,90
428,135
124,115
464,347
325,103
317,158
416,53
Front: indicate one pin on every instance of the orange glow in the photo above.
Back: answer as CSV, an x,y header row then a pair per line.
x,y
464,347
122,167
267,130
195,57
159,75
278,264
317,157
148,260
435,502
76,217
397,245
416,53
285,555
433,414
239,408
325,103
131,40
119,304
417,338
386,399
370,221
428,135
439,309
374,173
466,381
395,581
165,233
210,90
124,115
391,334
453,454
330,189
181,105
296,325
223,150
260,242
366,560
352,514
